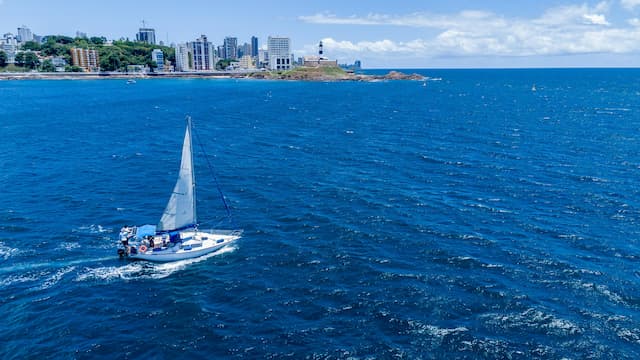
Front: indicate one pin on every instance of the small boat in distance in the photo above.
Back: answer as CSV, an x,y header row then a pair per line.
x,y
131,81
177,236
533,88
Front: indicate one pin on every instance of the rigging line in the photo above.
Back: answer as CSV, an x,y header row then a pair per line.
x,y
215,178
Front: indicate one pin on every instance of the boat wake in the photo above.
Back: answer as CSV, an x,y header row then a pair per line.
x,y
28,267
144,270
47,274
56,277
92,229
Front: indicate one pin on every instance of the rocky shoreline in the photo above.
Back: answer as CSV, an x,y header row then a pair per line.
x,y
319,75
299,74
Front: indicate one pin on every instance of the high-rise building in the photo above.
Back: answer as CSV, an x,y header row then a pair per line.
x,y
244,49
184,57
263,58
24,34
9,44
80,34
85,58
158,57
279,53
146,35
230,47
254,46
203,56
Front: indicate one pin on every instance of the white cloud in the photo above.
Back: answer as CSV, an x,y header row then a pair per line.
x,y
630,4
596,19
565,30
420,20
574,14
563,15
381,46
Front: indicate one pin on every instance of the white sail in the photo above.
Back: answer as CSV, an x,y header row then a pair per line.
x,y
181,209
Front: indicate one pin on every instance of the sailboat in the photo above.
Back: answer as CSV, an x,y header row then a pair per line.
x,y
177,236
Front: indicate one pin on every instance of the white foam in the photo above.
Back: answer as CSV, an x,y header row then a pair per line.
x,y
532,319
68,246
629,335
16,279
93,229
24,267
492,266
56,277
7,252
110,272
603,290
434,331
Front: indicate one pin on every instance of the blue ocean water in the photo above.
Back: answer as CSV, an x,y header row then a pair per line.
x,y
468,218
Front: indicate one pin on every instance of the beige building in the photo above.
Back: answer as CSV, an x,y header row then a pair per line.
x,y
246,62
85,58
316,61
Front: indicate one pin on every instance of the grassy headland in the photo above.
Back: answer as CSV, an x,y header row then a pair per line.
x,y
329,73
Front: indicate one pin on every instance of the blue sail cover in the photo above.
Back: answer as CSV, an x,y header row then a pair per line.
x,y
145,230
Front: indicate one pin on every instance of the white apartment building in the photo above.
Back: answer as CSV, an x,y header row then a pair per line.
x,y
195,56
279,50
24,34
9,44
158,57
184,57
203,55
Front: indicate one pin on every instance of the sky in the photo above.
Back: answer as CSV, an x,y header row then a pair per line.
x,y
380,33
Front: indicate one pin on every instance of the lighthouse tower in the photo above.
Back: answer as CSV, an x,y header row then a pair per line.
x,y
320,51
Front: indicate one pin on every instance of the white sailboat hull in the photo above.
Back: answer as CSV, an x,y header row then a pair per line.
x,y
195,244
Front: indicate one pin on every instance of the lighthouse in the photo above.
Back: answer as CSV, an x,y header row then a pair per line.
x,y
318,61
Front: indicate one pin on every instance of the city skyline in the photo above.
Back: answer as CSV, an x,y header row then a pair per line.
x,y
404,34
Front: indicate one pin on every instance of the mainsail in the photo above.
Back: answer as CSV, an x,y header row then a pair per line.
x,y
180,212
